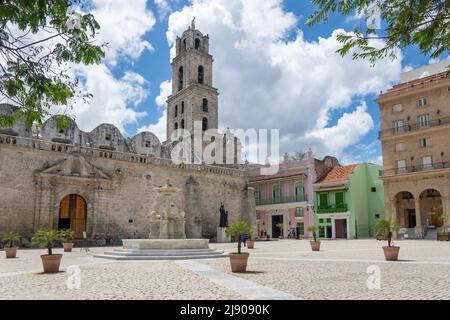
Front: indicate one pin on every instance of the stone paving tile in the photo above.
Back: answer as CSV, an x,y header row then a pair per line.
x,y
336,272
291,267
145,280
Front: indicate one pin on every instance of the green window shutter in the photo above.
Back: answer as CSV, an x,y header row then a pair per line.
x,y
323,198
339,198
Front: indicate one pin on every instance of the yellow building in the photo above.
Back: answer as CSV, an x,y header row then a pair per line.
x,y
415,137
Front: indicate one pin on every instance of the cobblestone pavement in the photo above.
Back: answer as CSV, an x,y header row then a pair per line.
x,y
338,271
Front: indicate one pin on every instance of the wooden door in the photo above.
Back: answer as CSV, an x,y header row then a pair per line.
x,y
340,228
73,214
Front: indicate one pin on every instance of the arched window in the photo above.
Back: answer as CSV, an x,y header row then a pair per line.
x,y
176,111
176,126
201,75
197,44
182,107
182,123
205,105
204,124
184,44
180,78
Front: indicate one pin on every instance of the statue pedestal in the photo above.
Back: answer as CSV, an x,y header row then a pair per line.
x,y
222,236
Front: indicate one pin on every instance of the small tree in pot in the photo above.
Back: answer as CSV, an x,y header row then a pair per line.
x,y
315,244
251,241
385,228
68,237
10,239
48,239
238,260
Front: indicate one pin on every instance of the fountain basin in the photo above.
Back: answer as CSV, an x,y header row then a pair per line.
x,y
165,244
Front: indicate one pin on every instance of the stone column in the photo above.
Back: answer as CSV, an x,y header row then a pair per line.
x,y
394,216
446,210
418,230
193,209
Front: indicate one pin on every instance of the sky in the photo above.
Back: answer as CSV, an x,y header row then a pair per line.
x,y
271,69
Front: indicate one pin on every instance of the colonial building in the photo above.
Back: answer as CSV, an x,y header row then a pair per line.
x,y
286,198
415,130
348,201
103,183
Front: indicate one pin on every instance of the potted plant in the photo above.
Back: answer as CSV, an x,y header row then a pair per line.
x,y
68,236
47,239
315,244
10,239
238,260
385,228
250,241
280,226
443,236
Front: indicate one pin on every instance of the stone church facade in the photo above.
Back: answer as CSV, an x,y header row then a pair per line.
x,y
103,183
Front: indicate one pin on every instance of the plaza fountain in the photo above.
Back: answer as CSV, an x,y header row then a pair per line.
x,y
167,237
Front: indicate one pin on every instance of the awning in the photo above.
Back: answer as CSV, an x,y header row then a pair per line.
x,y
332,188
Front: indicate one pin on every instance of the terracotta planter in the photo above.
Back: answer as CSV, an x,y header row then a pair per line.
x,y
315,245
239,261
443,236
391,253
11,252
250,244
51,262
68,246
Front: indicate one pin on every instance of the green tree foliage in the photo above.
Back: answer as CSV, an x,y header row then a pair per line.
x,y
47,239
238,229
37,39
423,23
10,239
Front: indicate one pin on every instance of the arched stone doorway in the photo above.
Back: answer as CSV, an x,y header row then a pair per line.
x,y
73,214
431,208
406,211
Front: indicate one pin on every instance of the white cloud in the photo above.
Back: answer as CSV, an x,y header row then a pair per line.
x,y
165,90
267,80
164,7
159,128
123,24
111,99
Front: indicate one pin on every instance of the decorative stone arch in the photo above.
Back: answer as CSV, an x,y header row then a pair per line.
x,y
83,210
431,208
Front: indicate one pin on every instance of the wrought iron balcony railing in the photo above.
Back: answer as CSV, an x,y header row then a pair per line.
x,y
332,208
419,168
288,199
414,127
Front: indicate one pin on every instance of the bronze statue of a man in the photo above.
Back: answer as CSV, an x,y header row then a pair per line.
x,y
223,217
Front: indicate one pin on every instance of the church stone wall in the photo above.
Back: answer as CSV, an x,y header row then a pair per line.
x,y
119,193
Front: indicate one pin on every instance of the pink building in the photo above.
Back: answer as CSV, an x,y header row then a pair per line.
x,y
285,200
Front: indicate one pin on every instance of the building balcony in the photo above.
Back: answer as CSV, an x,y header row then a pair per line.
x,y
332,208
288,199
414,127
419,168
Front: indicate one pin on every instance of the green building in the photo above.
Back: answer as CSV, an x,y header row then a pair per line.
x,y
348,201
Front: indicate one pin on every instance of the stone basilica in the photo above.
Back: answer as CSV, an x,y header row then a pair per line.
x,y
103,183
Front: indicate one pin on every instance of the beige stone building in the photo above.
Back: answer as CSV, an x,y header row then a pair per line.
x,y
103,183
415,137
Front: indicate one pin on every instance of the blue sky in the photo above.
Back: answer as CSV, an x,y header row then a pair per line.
x,y
283,20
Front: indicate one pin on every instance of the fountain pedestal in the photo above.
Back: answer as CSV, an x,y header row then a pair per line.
x,y
167,238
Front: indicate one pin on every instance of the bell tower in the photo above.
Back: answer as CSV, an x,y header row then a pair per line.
x,y
193,96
